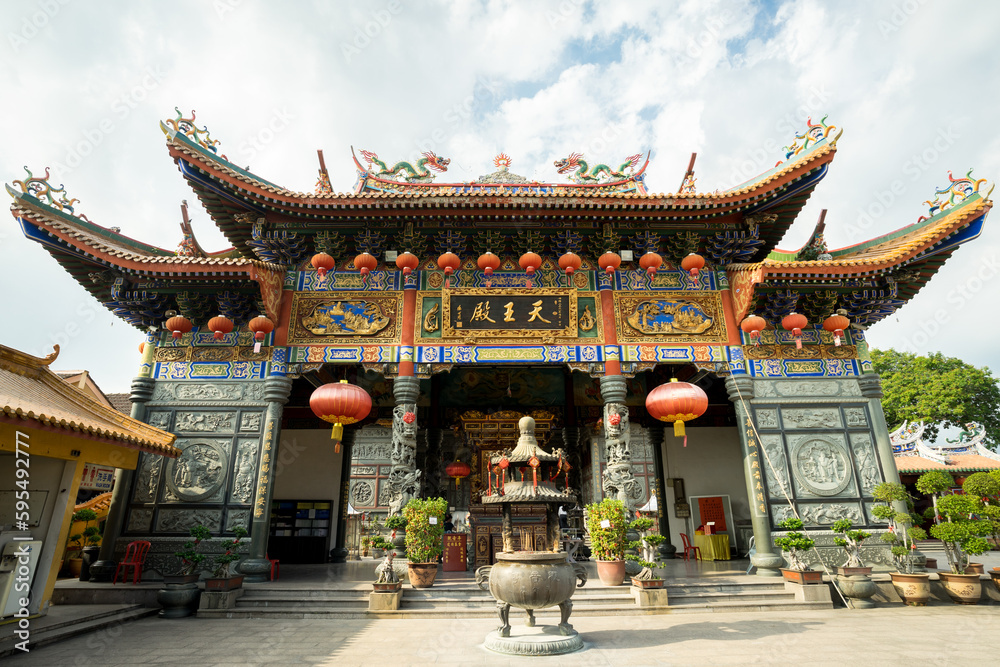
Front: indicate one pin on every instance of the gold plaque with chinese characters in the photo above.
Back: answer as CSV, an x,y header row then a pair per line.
x,y
545,312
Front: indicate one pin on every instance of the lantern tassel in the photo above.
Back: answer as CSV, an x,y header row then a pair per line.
x,y
798,343
338,432
679,431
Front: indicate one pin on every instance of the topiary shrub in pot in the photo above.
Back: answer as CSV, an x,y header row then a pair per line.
x,y
180,594
647,577
913,588
853,578
424,539
397,525
222,578
795,545
607,523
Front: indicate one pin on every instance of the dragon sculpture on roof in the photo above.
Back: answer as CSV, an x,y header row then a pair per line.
x,y
406,171
584,174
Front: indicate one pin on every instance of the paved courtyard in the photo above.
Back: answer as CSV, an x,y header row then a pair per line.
x,y
935,635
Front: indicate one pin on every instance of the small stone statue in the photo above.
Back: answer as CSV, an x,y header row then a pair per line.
x,y
385,571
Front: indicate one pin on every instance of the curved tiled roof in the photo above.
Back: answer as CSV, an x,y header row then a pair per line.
x,y
958,463
29,391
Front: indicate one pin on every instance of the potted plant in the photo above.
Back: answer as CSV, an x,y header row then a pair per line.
x,y
366,545
84,542
397,524
795,544
222,578
853,578
386,581
424,535
180,593
960,524
986,487
607,523
647,577
914,588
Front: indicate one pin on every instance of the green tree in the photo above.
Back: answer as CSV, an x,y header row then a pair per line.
x,y
938,390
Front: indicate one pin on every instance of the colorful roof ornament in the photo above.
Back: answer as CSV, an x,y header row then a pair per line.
x,y
957,191
42,190
200,136
813,134
405,171
582,173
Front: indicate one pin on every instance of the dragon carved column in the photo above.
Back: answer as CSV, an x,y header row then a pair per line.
x,y
619,481
404,479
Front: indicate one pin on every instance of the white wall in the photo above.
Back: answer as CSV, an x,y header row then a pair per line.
x,y
307,469
710,465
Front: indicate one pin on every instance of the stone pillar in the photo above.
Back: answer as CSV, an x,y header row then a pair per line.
x,y
871,388
666,550
404,479
768,563
256,567
619,481
104,568
339,552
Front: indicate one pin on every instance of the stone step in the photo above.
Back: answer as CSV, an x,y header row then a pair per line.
x,y
273,603
730,597
475,603
42,635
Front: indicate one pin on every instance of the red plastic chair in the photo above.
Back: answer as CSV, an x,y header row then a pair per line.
x,y
688,549
275,563
135,558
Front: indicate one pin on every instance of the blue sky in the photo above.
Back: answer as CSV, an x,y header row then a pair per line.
x,y
913,84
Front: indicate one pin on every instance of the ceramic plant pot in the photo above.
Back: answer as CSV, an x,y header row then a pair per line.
x,y
647,583
422,575
995,576
802,577
975,568
178,600
611,572
221,585
857,588
962,588
914,589
852,571
387,587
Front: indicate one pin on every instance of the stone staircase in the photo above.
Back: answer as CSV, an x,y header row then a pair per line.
x,y
711,594
65,621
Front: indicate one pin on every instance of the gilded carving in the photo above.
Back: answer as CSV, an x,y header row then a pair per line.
x,y
587,320
213,353
662,316
535,311
346,318
432,321
670,317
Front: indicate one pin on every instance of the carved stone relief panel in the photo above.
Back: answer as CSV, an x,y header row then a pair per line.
x,y
139,521
856,417
826,514
864,452
775,465
199,473
204,422
159,419
244,472
871,517
363,493
372,451
182,520
820,388
237,518
767,418
250,421
148,478
166,392
794,418
821,465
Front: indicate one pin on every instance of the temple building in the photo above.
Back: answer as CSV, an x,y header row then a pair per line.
x,y
462,307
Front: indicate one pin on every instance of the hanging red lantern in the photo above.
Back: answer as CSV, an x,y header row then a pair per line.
x,y
609,261
752,326
530,262
407,262
340,403
570,263
220,326
178,325
260,326
458,470
677,402
449,263
323,263
650,263
365,263
795,323
488,263
836,324
692,264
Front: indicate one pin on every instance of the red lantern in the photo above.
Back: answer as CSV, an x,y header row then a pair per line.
x,y
570,263
795,323
260,326
677,402
457,470
340,403
692,264
650,262
752,326
449,263
323,263
142,347
530,262
407,262
836,324
220,326
365,263
488,263
610,262
178,325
